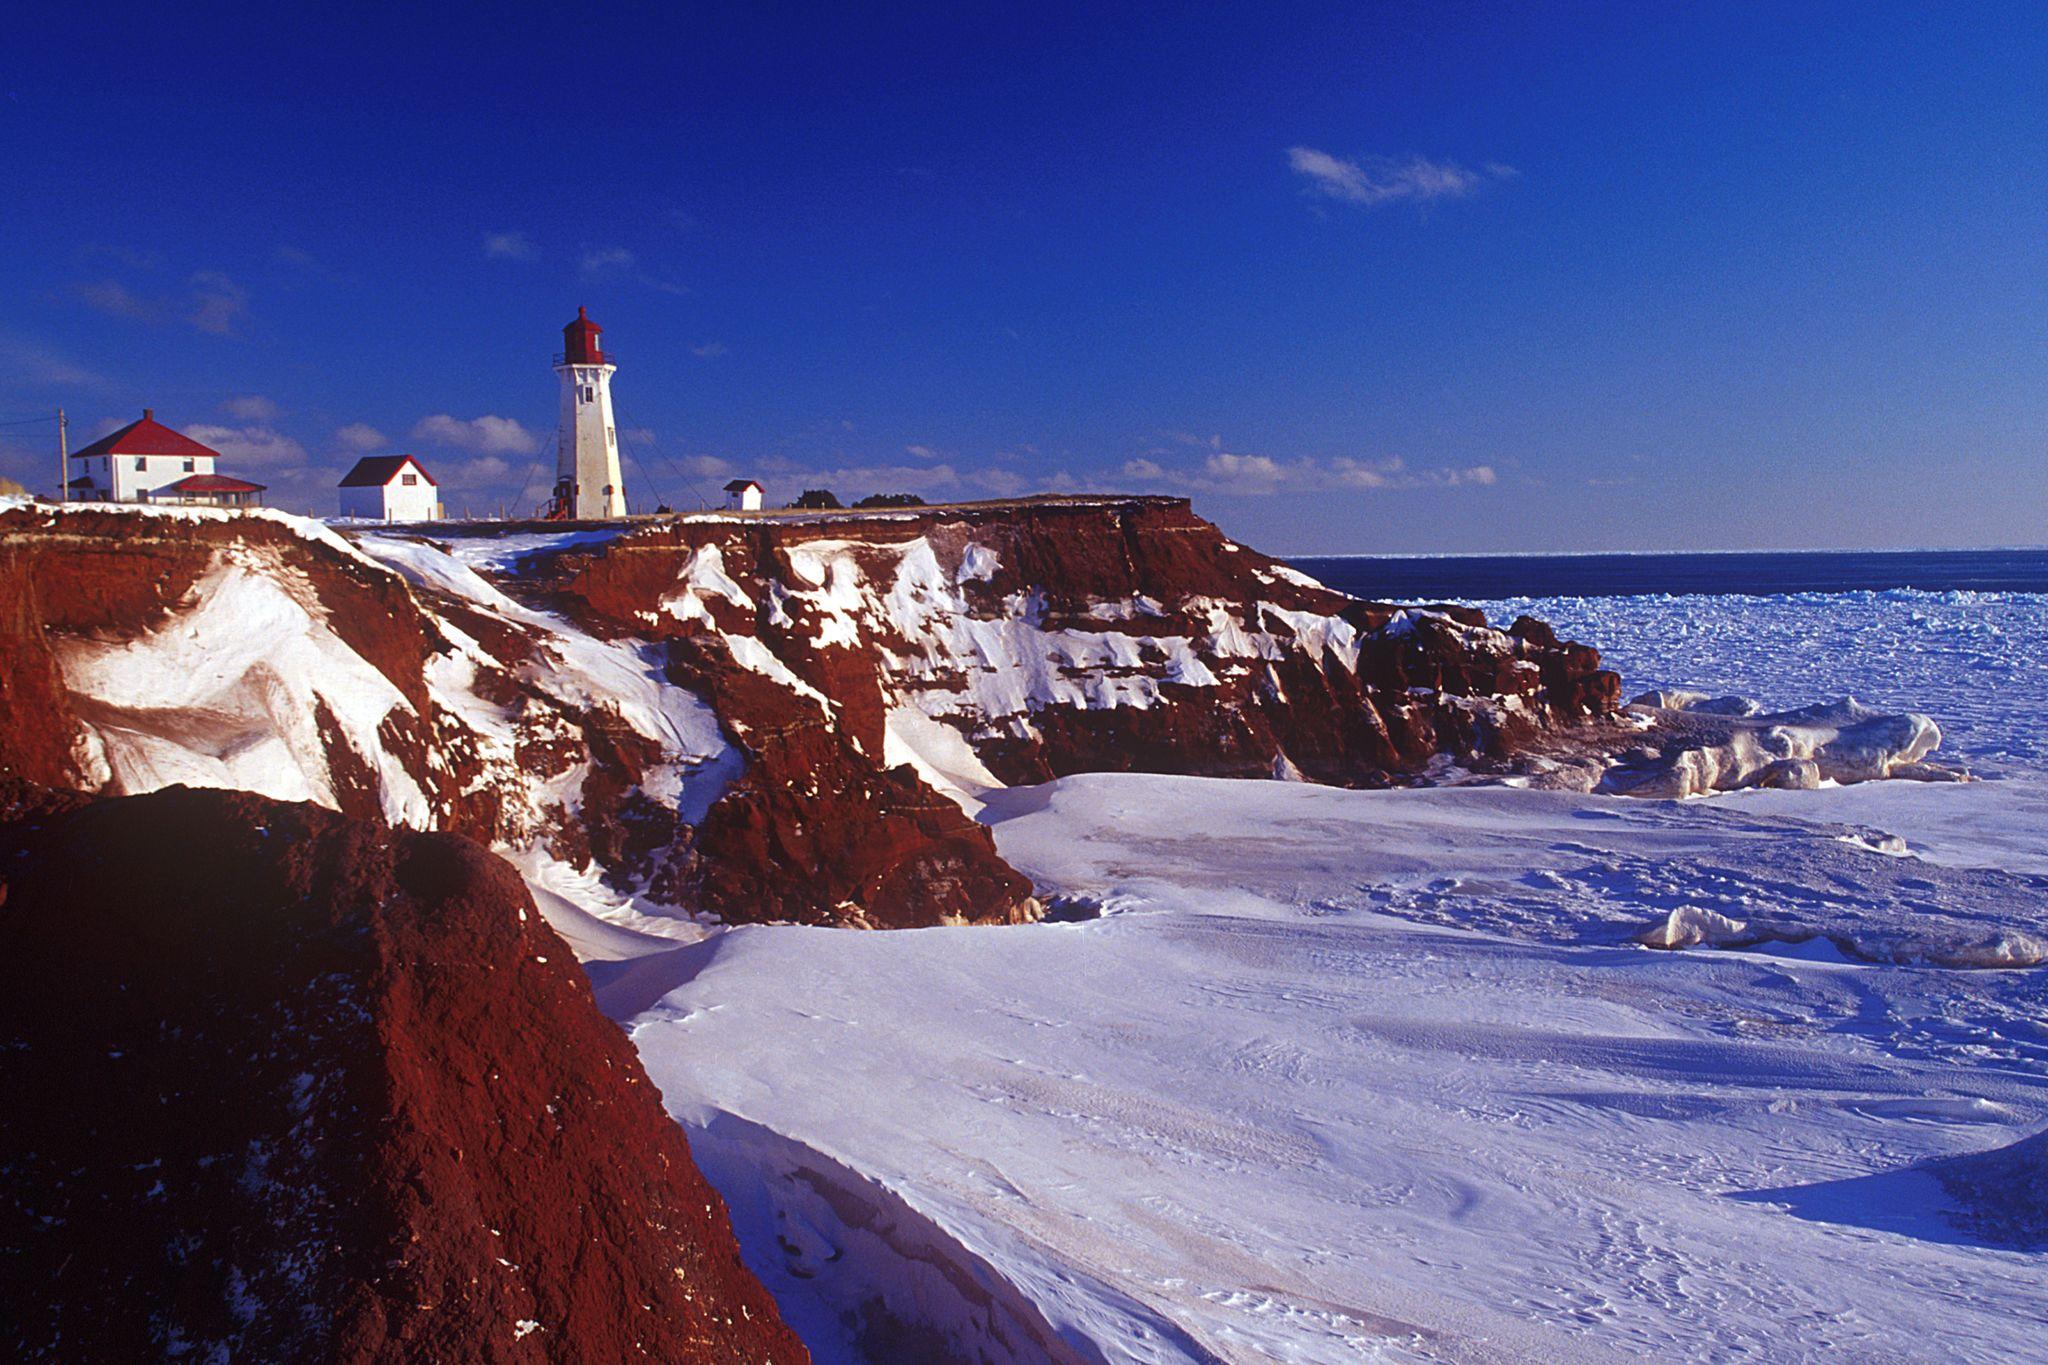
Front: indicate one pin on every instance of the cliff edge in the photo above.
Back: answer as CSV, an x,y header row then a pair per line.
x,y
746,717
285,1085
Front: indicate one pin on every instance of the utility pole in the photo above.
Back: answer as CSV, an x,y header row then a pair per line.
x,y
63,457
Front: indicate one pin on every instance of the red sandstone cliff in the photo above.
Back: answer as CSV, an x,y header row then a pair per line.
x,y
285,1085
767,718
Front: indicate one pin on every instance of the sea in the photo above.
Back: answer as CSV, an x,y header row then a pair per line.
x,y
1471,577
1959,635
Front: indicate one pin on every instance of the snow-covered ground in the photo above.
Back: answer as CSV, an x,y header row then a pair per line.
x,y
1357,1074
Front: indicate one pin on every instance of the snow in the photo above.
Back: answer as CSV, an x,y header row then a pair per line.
x,y
1736,744
625,676
226,694
1356,1075
504,553
231,689
992,673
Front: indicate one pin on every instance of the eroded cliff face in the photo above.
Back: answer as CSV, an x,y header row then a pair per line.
x,y
779,718
1081,635
287,1085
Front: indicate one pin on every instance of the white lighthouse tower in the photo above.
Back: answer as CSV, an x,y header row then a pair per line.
x,y
588,485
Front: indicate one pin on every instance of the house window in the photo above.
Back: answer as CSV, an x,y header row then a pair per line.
x,y
408,479
142,462
189,466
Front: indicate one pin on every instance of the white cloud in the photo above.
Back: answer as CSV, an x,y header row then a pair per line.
x,y
250,407
1377,180
218,303
116,300
710,350
599,260
359,436
616,262
920,452
251,447
1003,483
483,435
479,472
1228,472
933,481
1394,473
509,246
1364,474
705,466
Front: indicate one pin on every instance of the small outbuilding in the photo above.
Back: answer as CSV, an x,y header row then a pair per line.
x,y
390,488
743,495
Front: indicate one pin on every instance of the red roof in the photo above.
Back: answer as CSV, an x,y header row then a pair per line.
x,y
146,437
741,485
579,342
208,483
376,471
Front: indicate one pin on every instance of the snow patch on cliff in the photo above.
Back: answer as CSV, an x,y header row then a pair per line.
x,y
228,693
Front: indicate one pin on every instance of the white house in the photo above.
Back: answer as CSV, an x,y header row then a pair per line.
x,y
743,495
390,488
146,461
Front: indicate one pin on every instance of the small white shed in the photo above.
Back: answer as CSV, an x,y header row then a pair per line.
x,y
390,488
743,495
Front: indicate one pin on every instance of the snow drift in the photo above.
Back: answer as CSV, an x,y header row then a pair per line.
x,y
1699,746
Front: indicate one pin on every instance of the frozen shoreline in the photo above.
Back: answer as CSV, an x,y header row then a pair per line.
x,y
1355,1073
1361,1075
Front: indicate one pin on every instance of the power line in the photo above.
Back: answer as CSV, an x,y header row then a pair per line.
x,y
688,483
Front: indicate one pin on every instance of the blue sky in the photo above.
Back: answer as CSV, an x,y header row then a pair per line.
x,y
1355,277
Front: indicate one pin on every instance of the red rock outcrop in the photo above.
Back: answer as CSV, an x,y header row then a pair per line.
x,y
758,718
285,1085
1172,649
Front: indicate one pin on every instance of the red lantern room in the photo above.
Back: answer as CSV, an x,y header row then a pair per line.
x,y
579,342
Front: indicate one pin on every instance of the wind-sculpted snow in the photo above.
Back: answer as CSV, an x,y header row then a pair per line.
x,y
1346,1074
1699,746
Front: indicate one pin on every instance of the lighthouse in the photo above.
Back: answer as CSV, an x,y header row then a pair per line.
x,y
588,485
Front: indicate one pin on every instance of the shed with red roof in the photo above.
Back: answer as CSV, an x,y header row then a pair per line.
x,y
210,490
